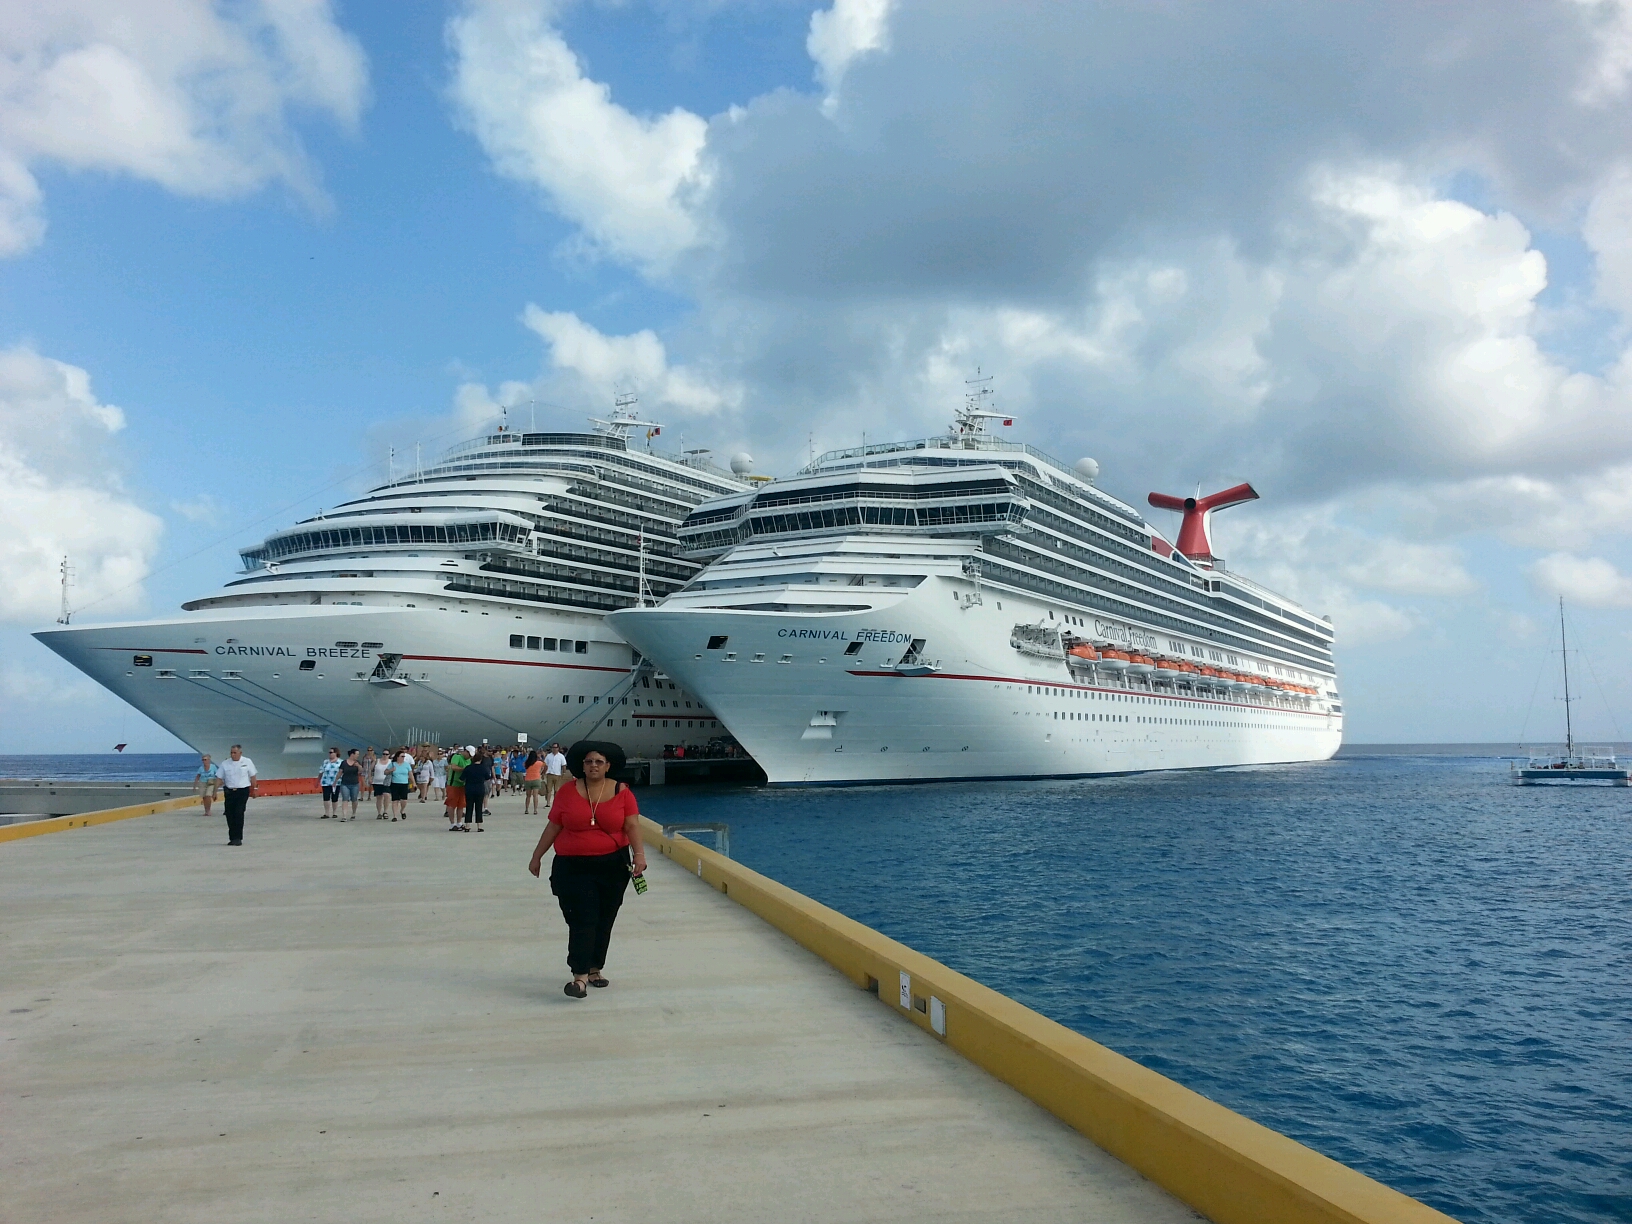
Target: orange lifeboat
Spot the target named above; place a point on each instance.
(1114, 659)
(1141, 664)
(1083, 651)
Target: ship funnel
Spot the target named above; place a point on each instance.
(1195, 534)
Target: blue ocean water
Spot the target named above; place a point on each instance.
(1404, 962)
(102, 767)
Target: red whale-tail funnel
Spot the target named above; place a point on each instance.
(1195, 541)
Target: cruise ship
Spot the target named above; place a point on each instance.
(464, 603)
(963, 607)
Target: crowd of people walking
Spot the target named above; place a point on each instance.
(461, 780)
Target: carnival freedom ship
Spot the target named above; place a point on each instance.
(966, 607)
(458, 604)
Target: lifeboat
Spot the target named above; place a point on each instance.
(1113, 659)
(1083, 651)
(1168, 669)
(1140, 665)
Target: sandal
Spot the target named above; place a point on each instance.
(574, 990)
(595, 979)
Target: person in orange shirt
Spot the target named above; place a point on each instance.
(532, 784)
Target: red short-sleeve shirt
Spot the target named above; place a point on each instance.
(584, 831)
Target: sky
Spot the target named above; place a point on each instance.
(1375, 258)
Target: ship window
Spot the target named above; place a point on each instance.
(308, 665)
(565, 698)
(718, 641)
(580, 647)
(372, 645)
(141, 660)
(532, 643)
(516, 641)
(853, 649)
(546, 643)
(566, 644)
(345, 645)
(580, 699)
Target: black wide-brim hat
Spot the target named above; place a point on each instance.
(615, 756)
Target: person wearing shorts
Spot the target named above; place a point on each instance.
(532, 785)
(455, 799)
(207, 781)
(402, 781)
(328, 777)
(367, 784)
(422, 776)
(439, 773)
(382, 786)
(351, 773)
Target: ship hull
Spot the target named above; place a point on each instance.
(811, 714)
(218, 679)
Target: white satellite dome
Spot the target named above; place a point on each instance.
(1087, 468)
(742, 463)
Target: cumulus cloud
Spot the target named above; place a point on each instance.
(603, 365)
(196, 97)
(627, 180)
(1200, 243)
(1587, 580)
(59, 493)
(842, 34)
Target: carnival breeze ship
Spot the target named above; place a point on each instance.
(459, 604)
(965, 607)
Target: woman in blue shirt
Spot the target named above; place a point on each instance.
(329, 779)
(207, 781)
(402, 781)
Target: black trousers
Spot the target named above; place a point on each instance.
(474, 801)
(236, 801)
(590, 889)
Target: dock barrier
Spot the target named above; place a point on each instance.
(1226, 1166)
(56, 824)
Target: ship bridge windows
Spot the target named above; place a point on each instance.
(296, 543)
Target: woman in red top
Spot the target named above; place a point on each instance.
(594, 825)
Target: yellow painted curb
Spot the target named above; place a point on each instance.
(1226, 1166)
(56, 824)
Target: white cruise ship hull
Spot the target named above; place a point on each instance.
(812, 715)
(216, 678)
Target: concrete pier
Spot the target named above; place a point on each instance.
(41, 797)
(364, 1021)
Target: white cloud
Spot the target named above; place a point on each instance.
(842, 34)
(602, 365)
(59, 493)
(627, 181)
(1586, 580)
(196, 97)
(201, 509)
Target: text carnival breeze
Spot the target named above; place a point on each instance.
(312, 652)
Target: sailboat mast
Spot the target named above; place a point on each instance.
(1564, 651)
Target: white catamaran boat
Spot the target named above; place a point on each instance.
(458, 604)
(965, 607)
(1595, 766)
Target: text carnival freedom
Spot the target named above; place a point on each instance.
(886, 636)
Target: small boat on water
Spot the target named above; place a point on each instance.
(1573, 765)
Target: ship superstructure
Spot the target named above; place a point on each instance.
(966, 607)
(464, 602)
